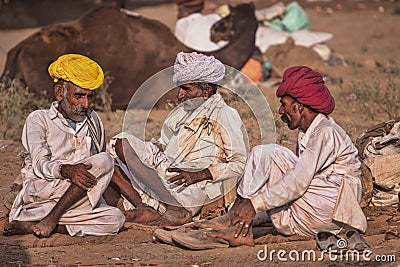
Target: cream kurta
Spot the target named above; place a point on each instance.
(49, 141)
(317, 191)
(211, 136)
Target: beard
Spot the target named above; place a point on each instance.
(77, 114)
(193, 103)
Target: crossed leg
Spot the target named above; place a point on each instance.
(142, 213)
(25, 228)
(48, 224)
(175, 214)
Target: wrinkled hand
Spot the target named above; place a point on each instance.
(78, 174)
(157, 144)
(243, 215)
(186, 178)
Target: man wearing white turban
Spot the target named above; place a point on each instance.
(66, 167)
(200, 155)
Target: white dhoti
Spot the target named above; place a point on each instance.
(307, 215)
(194, 138)
(89, 216)
(192, 197)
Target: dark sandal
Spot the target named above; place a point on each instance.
(329, 241)
(355, 241)
(165, 235)
(198, 240)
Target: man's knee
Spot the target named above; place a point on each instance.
(102, 161)
(264, 150)
(118, 218)
(119, 150)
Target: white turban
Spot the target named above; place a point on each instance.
(194, 67)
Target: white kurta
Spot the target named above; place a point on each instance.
(49, 141)
(211, 136)
(317, 191)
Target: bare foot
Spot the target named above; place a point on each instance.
(222, 222)
(229, 235)
(174, 216)
(18, 228)
(218, 223)
(141, 215)
(44, 228)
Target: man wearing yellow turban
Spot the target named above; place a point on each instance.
(78, 69)
(67, 169)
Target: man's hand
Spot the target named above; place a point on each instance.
(78, 174)
(157, 144)
(187, 178)
(243, 215)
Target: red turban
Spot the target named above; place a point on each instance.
(307, 87)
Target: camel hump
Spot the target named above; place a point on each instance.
(104, 16)
(129, 48)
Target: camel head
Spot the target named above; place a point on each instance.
(226, 28)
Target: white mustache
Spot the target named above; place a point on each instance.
(192, 103)
(80, 110)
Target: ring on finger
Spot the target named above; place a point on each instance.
(246, 226)
(240, 222)
(183, 181)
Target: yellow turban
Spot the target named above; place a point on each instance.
(78, 69)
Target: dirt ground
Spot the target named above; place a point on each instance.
(365, 33)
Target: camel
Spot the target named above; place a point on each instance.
(129, 47)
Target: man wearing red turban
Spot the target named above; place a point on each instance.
(313, 193)
(308, 87)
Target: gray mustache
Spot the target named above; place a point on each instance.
(80, 110)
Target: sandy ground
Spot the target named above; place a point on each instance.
(367, 37)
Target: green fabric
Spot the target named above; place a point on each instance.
(276, 24)
(295, 18)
